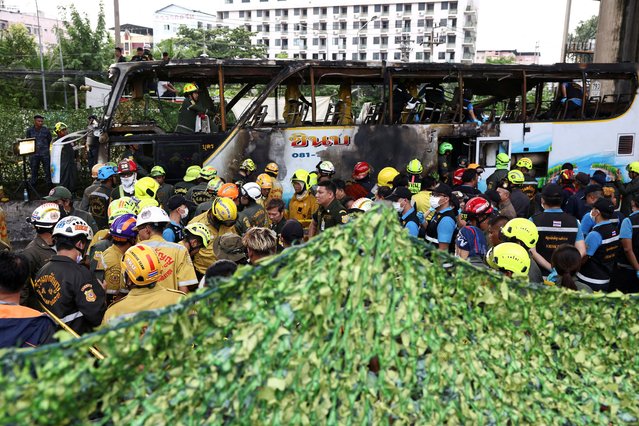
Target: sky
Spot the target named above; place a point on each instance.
(503, 24)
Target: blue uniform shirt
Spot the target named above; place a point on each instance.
(626, 227)
(446, 228)
(593, 240)
(473, 240)
(168, 233)
(412, 227)
(587, 223)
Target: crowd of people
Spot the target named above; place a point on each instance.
(137, 242)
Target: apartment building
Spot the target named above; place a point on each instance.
(417, 31)
(511, 56)
(167, 20)
(10, 15)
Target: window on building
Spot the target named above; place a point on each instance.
(209, 26)
(316, 10)
(399, 7)
(285, 12)
(398, 24)
(419, 56)
(354, 56)
(247, 27)
(200, 24)
(316, 42)
(278, 27)
(355, 9)
(296, 11)
(355, 40)
(384, 41)
(364, 9)
(167, 27)
(443, 22)
(258, 28)
(383, 56)
(375, 56)
(451, 39)
(285, 43)
(336, 9)
(278, 42)
(451, 56)
(336, 25)
(246, 1)
(316, 26)
(322, 26)
(441, 55)
(315, 56)
(378, 8)
(407, 8)
(362, 56)
(304, 12)
(420, 23)
(284, 28)
(267, 13)
(398, 39)
(342, 25)
(376, 24)
(421, 6)
(453, 23)
(375, 40)
(420, 39)
(278, 12)
(385, 25)
(430, 7)
(397, 56)
(407, 25)
(266, 28)
(259, 13)
(241, 14)
(322, 42)
(324, 10)
(429, 23)
(363, 41)
(427, 56)
(444, 5)
(343, 10)
(356, 25)
(228, 1)
(453, 5)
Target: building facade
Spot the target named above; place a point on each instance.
(417, 31)
(11, 15)
(134, 36)
(510, 56)
(167, 20)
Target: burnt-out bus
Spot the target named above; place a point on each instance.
(298, 113)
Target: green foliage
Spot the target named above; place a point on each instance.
(85, 48)
(506, 60)
(586, 30)
(355, 327)
(18, 48)
(221, 43)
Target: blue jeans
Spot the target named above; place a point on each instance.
(36, 160)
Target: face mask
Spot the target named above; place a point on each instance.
(397, 206)
(592, 216)
(128, 182)
(185, 213)
(434, 202)
(79, 258)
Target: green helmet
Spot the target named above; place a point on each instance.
(445, 147)
(502, 160)
(516, 177)
(415, 167)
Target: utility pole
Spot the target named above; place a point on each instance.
(116, 19)
(404, 48)
(432, 43)
(566, 29)
(44, 86)
(62, 66)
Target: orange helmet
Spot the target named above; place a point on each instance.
(229, 190)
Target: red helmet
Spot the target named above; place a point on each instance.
(567, 175)
(127, 166)
(457, 176)
(361, 170)
(477, 206)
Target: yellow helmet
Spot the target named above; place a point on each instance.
(509, 257)
(313, 179)
(124, 205)
(199, 230)
(414, 167)
(272, 168)
(59, 126)
(189, 88)
(148, 202)
(633, 167)
(208, 172)
(248, 165)
(516, 177)
(264, 181)
(386, 175)
(525, 162)
(192, 173)
(214, 185)
(224, 209)
(141, 265)
(300, 175)
(522, 230)
(157, 171)
(146, 187)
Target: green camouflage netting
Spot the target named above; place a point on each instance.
(355, 327)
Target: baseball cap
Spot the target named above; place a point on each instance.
(157, 171)
(582, 178)
(176, 201)
(604, 205)
(592, 188)
(599, 177)
(444, 189)
(59, 193)
(400, 192)
(229, 247)
(552, 190)
(292, 231)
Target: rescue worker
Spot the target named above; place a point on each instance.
(260, 243)
(100, 198)
(444, 166)
(145, 190)
(266, 184)
(628, 190)
(505, 206)
(64, 198)
(293, 102)
(191, 175)
(272, 169)
(302, 204)
(192, 111)
(313, 179)
(276, 211)
(626, 276)
(231, 191)
(592, 194)
(40, 249)
(134, 153)
(325, 170)
(20, 326)
(142, 275)
(177, 271)
(471, 243)
(101, 239)
(123, 236)
(245, 172)
(359, 207)
(196, 237)
(127, 172)
(64, 286)
(213, 188)
(602, 248)
(68, 167)
(343, 110)
(468, 186)
(199, 193)
(362, 185)
(385, 178)
(441, 230)
(219, 220)
(178, 212)
(42, 136)
(414, 170)
(230, 247)
(501, 171)
(510, 259)
(525, 165)
(292, 234)
(252, 212)
(555, 228)
(84, 204)
(401, 199)
(165, 191)
(330, 211)
(518, 198)
(525, 233)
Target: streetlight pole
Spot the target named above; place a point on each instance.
(362, 28)
(62, 67)
(44, 86)
(566, 28)
(116, 19)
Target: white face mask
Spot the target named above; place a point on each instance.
(185, 213)
(434, 202)
(592, 216)
(397, 206)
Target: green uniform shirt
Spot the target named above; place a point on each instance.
(334, 214)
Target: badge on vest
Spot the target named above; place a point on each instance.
(556, 224)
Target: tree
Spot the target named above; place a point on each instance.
(18, 49)
(222, 43)
(84, 48)
(504, 60)
(586, 30)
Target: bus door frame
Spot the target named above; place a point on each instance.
(482, 141)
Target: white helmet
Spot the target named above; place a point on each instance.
(72, 226)
(45, 216)
(152, 214)
(363, 204)
(252, 190)
(326, 168)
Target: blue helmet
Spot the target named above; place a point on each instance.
(123, 228)
(106, 172)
